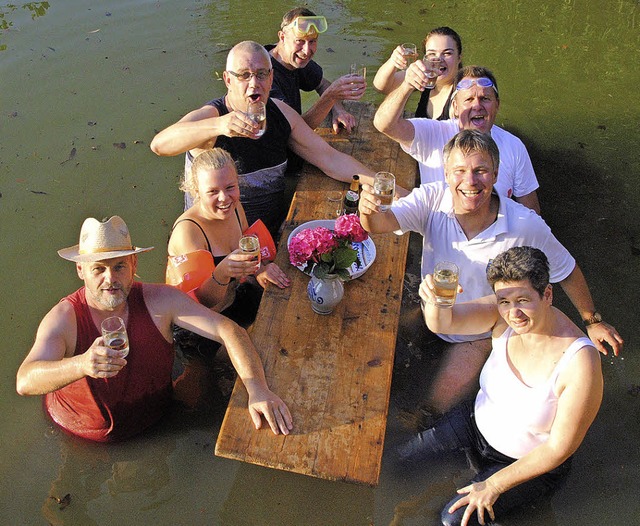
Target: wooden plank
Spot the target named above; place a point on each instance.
(334, 372)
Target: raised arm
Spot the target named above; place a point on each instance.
(575, 286)
(176, 307)
(199, 129)
(51, 364)
(391, 74)
(389, 119)
(313, 149)
(475, 317)
(580, 388)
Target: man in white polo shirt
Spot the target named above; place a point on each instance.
(475, 105)
(465, 221)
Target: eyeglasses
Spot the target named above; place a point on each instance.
(261, 74)
(309, 24)
(482, 82)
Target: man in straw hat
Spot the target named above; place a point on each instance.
(94, 392)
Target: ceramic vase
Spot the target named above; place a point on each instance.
(325, 294)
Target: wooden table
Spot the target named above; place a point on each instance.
(333, 372)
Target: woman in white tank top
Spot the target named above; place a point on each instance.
(540, 390)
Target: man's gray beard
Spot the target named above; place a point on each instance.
(110, 302)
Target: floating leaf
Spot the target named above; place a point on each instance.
(120, 145)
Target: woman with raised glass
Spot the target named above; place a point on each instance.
(204, 254)
(442, 44)
(540, 390)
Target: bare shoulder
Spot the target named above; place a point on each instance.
(205, 112)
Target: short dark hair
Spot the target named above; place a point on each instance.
(520, 264)
(294, 13)
(469, 141)
(445, 32)
(476, 72)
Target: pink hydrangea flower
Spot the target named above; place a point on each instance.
(348, 227)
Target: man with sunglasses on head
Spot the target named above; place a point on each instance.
(261, 159)
(475, 104)
(294, 70)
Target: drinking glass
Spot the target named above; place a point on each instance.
(445, 281)
(114, 334)
(250, 244)
(257, 112)
(335, 199)
(433, 70)
(410, 52)
(358, 70)
(384, 188)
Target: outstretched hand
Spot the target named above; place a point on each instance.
(272, 273)
(480, 497)
(601, 333)
(263, 402)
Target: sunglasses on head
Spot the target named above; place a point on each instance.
(309, 24)
(483, 82)
(261, 74)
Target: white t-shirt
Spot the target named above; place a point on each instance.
(516, 177)
(428, 210)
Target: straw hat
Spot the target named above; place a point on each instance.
(100, 241)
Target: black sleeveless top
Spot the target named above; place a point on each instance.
(216, 259)
(421, 110)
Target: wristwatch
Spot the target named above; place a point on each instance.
(594, 318)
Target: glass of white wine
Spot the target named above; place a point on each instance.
(114, 335)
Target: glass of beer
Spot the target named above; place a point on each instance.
(433, 70)
(250, 245)
(257, 112)
(384, 188)
(114, 334)
(410, 52)
(445, 281)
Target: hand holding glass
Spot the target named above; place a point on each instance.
(384, 188)
(257, 112)
(250, 245)
(445, 282)
(114, 334)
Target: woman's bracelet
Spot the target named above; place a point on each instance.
(213, 277)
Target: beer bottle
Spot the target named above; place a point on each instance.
(352, 197)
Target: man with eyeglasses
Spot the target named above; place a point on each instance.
(294, 70)
(475, 103)
(261, 159)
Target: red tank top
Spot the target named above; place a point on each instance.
(106, 409)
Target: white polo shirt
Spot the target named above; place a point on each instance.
(428, 210)
(516, 177)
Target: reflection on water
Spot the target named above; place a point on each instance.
(84, 90)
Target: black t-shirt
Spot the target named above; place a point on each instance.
(287, 83)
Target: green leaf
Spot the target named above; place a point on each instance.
(343, 274)
(345, 257)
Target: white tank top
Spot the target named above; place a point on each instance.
(513, 417)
